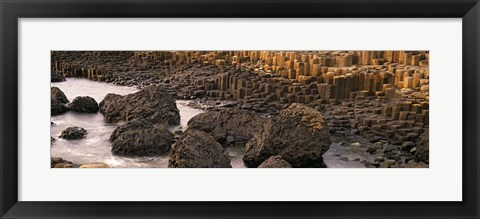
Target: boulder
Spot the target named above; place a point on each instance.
(228, 125)
(111, 107)
(197, 149)
(275, 162)
(151, 103)
(57, 108)
(57, 95)
(73, 133)
(141, 138)
(57, 77)
(57, 162)
(84, 104)
(94, 165)
(299, 134)
(129, 126)
(422, 154)
(63, 165)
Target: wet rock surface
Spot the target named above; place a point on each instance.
(380, 96)
(57, 108)
(152, 104)
(57, 77)
(228, 126)
(71, 133)
(131, 125)
(57, 101)
(299, 134)
(57, 162)
(58, 96)
(112, 108)
(84, 104)
(275, 162)
(141, 138)
(197, 149)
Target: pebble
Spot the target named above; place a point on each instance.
(230, 139)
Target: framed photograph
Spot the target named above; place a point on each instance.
(256, 109)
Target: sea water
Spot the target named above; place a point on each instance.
(96, 147)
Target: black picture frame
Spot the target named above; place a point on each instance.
(12, 10)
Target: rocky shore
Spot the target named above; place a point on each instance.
(282, 107)
(57, 162)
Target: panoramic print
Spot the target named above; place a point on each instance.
(239, 109)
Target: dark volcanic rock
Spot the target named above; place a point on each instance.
(131, 125)
(57, 162)
(57, 95)
(151, 103)
(275, 162)
(142, 138)
(57, 101)
(57, 108)
(228, 125)
(84, 105)
(298, 133)
(73, 133)
(407, 146)
(57, 77)
(197, 149)
(422, 154)
(111, 107)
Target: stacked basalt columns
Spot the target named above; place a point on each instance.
(269, 78)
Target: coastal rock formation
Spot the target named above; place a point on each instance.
(422, 154)
(275, 162)
(57, 77)
(64, 165)
(57, 101)
(57, 162)
(73, 133)
(84, 105)
(299, 134)
(141, 138)
(94, 165)
(228, 125)
(151, 103)
(111, 107)
(57, 95)
(131, 125)
(57, 108)
(381, 96)
(197, 149)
